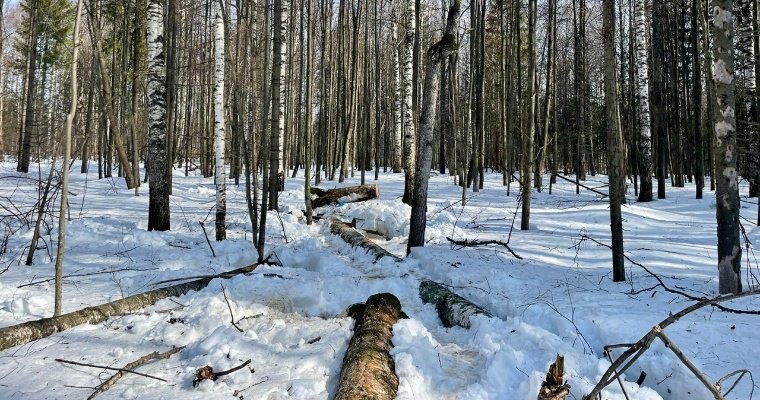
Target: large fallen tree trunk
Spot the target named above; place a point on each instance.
(351, 194)
(453, 309)
(356, 239)
(368, 370)
(26, 332)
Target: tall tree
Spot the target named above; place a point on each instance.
(277, 129)
(726, 153)
(220, 168)
(2, 76)
(658, 105)
(699, 167)
(615, 151)
(642, 101)
(158, 205)
(407, 103)
(33, 10)
(308, 153)
(530, 115)
(436, 54)
(66, 159)
(397, 100)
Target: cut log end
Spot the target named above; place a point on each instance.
(323, 197)
(554, 387)
(368, 370)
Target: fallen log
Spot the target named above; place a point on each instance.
(554, 386)
(351, 194)
(368, 370)
(26, 332)
(356, 239)
(453, 309)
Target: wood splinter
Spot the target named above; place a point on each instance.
(207, 373)
(554, 386)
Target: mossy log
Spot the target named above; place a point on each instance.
(351, 194)
(353, 237)
(26, 332)
(554, 387)
(453, 310)
(368, 370)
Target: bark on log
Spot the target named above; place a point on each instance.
(352, 194)
(368, 370)
(554, 387)
(453, 310)
(26, 332)
(353, 237)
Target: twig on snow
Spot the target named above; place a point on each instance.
(207, 240)
(110, 368)
(132, 365)
(475, 243)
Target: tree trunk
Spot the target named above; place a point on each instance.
(699, 158)
(407, 104)
(527, 144)
(435, 55)
(659, 114)
(368, 370)
(31, 92)
(158, 207)
(279, 51)
(615, 150)
(351, 194)
(642, 101)
(66, 160)
(726, 185)
(220, 168)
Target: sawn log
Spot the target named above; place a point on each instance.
(453, 310)
(351, 194)
(368, 370)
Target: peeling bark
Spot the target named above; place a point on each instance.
(368, 370)
(352, 194)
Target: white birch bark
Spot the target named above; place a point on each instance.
(220, 171)
(642, 97)
(397, 145)
(277, 138)
(158, 208)
(408, 110)
(726, 185)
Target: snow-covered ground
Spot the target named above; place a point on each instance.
(559, 298)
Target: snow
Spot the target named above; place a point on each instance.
(558, 299)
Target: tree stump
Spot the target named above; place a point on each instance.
(368, 370)
(453, 310)
(554, 387)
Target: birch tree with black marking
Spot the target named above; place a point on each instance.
(158, 206)
(642, 101)
(726, 153)
(407, 104)
(220, 171)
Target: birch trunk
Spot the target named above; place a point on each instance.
(642, 103)
(397, 145)
(2, 77)
(220, 171)
(408, 110)
(726, 185)
(158, 208)
(66, 159)
(279, 51)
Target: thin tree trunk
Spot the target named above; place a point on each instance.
(642, 101)
(66, 160)
(527, 147)
(699, 158)
(158, 206)
(407, 103)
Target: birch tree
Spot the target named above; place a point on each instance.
(66, 159)
(407, 103)
(279, 52)
(158, 207)
(397, 144)
(727, 184)
(642, 101)
(436, 54)
(2, 76)
(220, 171)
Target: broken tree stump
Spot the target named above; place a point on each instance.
(26, 332)
(453, 309)
(351, 194)
(554, 386)
(368, 370)
(353, 237)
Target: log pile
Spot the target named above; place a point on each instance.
(368, 370)
(453, 309)
(352, 194)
